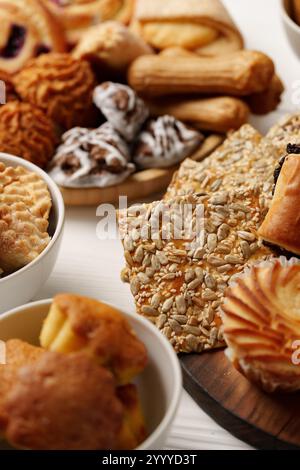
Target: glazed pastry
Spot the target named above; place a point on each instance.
(18, 354)
(27, 30)
(134, 429)
(239, 74)
(281, 227)
(111, 45)
(164, 142)
(261, 323)
(122, 108)
(77, 323)
(20, 185)
(98, 158)
(179, 272)
(10, 92)
(63, 402)
(61, 86)
(204, 26)
(25, 131)
(220, 114)
(268, 100)
(285, 132)
(77, 16)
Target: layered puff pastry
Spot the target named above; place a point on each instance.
(205, 27)
(261, 324)
(77, 323)
(281, 226)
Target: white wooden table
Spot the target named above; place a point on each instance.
(92, 267)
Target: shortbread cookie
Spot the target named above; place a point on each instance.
(97, 158)
(25, 131)
(27, 30)
(164, 142)
(61, 86)
(179, 270)
(122, 107)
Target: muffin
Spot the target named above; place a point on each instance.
(61, 86)
(77, 323)
(26, 131)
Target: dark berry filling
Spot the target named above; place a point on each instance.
(15, 42)
(42, 49)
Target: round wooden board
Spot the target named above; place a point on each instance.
(262, 420)
(139, 186)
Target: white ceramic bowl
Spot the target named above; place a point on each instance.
(291, 28)
(21, 286)
(160, 385)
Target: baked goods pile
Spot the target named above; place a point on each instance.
(25, 205)
(238, 226)
(74, 392)
(185, 60)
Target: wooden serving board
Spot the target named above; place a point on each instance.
(262, 420)
(139, 186)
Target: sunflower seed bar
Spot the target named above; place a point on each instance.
(287, 131)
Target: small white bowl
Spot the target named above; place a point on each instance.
(160, 385)
(21, 286)
(291, 28)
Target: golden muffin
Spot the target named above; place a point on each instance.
(77, 323)
(63, 402)
(61, 86)
(134, 428)
(18, 354)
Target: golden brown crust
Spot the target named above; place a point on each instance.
(42, 32)
(282, 224)
(61, 86)
(100, 330)
(261, 323)
(25, 131)
(134, 429)
(10, 92)
(296, 10)
(63, 402)
(268, 100)
(238, 74)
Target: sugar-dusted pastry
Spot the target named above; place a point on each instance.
(61, 86)
(27, 132)
(269, 99)
(27, 30)
(9, 90)
(134, 428)
(122, 108)
(77, 16)
(281, 226)
(244, 160)
(111, 45)
(63, 402)
(238, 74)
(285, 132)
(181, 261)
(97, 158)
(77, 323)
(261, 323)
(220, 114)
(164, 142)
(17, 355)
(20, 185)
(204, 26)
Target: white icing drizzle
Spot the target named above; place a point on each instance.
(78, 142)
(169, 141)
(128, 122)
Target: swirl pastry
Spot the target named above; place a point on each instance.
(98, 158)
(203, 26)
(25, 131)
(282, 224)
(61, 86)
(27, 30)
(165, 142)
(77, 323)
(79, 15)
(261, 323)
(112, 46)
(122, 107)
(63, 402)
